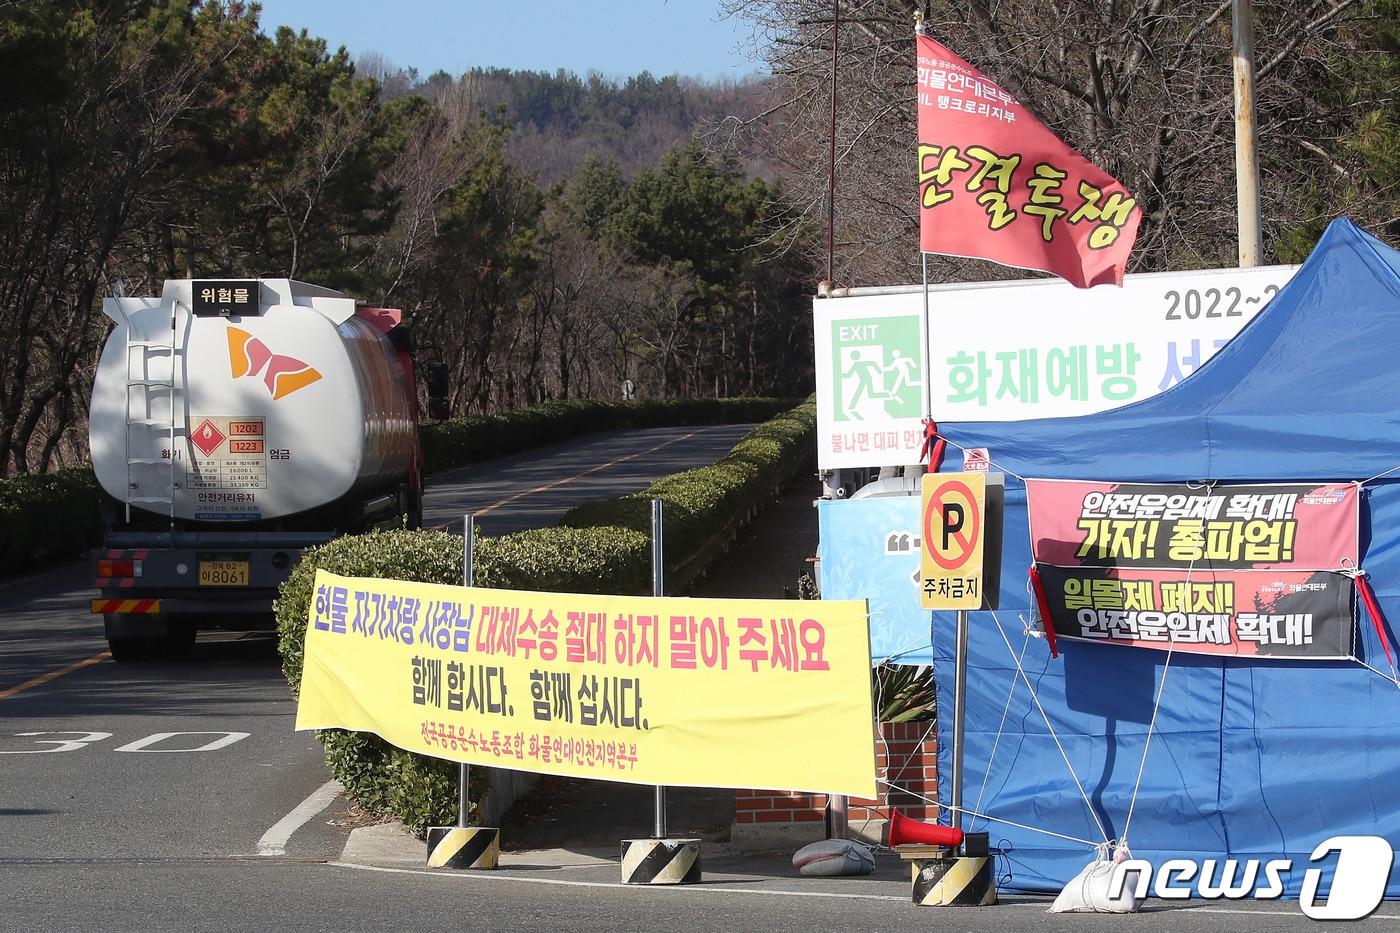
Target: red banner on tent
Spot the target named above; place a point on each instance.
(1237, 570)
(995, 183)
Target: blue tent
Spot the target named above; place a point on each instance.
(1249, 759)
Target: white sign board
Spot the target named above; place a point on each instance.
(1009, 351)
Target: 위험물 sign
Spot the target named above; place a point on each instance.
(691, 692)
(1236, 569)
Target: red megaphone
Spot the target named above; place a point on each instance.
(903, 830)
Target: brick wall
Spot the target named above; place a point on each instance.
(900, 757)
(903, 760)
(765, 806)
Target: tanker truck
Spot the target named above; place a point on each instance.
(235, 423)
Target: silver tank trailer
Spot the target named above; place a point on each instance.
(246, 402)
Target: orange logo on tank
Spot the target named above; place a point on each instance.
(247, 356)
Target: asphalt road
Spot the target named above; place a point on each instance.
(142, 805)
(533, 489)
(130, 786)
(291, 896)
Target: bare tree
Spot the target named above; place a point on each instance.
(1143, 88)
(434, 160)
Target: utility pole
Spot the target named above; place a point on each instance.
(1246, 137)
(831, 164)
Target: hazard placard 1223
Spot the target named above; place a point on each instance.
(955, 532)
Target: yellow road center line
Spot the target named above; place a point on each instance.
(52, 675)
(569, 479)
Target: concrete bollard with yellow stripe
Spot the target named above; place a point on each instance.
(464, 847)
(955, 881)
(660, 861)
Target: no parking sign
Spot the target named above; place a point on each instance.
(961, 541)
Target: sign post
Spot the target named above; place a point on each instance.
(658, 589)
(660, 860)
(464, 799)
(960, 569)
(464, 845)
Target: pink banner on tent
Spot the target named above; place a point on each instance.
(1252, 569)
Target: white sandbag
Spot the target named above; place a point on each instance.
(1090, 891)
(833, 857)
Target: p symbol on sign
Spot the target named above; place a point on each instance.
(953, 518)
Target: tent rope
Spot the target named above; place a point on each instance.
(1001, 728)
(879, 704)
(1156, 708)
(1382, 674)
(1207, 483)
(1368, 600)
(1045, 716)
(994, 819)
(1000, 466)
(1380, 474)
(1147, 740)
(1208, 486)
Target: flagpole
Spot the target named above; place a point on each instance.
(960, 644)
(919, 30)
(927, 337)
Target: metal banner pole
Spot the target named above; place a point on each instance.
(658, 589)
(959, 714)
(660, 860)
(927, 349)
(464, 846)
(464, 769)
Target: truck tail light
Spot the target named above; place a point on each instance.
(119, 568)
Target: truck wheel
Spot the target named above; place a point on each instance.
(176, 643)
(125, 650)
(128, 637)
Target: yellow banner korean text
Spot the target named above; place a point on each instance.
(690, 692)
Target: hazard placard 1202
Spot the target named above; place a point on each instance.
(961, 541)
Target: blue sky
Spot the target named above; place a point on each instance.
(617, 38)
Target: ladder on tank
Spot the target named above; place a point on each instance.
(140, 379)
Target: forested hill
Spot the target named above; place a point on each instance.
(549, 237)
(558, 120)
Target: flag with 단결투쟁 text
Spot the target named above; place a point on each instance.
(995, 183)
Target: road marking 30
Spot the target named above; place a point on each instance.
(140, 745)
(213, 745)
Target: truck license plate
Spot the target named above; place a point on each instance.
(223, 573)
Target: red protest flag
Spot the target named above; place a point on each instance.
(995, 183)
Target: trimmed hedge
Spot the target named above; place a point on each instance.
(611, 555)
(47, 516)
(701, 502)
(454, 443)
(51, 516)
(418, 790)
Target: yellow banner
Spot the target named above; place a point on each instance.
(760, 693)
